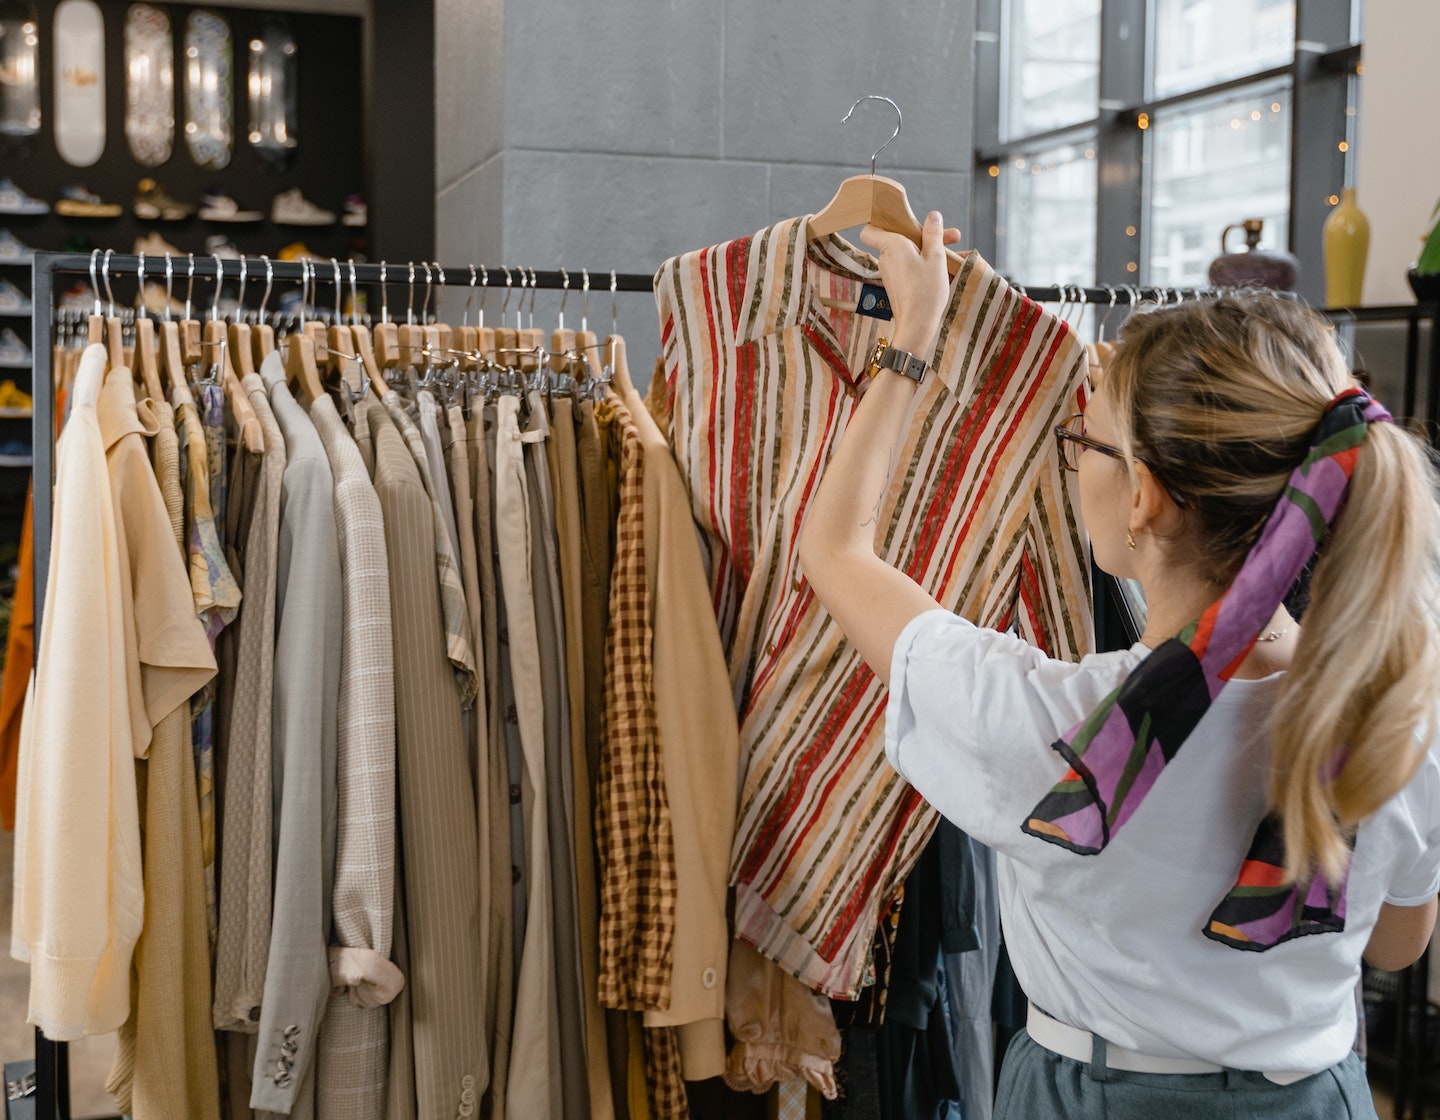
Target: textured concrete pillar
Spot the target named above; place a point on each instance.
(577, 133)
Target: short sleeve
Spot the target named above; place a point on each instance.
(972, 713)
(1417, 880)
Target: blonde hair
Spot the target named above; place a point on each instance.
(1220, 399)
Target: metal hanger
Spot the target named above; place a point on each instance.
(146, 355)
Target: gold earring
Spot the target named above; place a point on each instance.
(1130, 541)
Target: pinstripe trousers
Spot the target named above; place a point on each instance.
(535, 1042)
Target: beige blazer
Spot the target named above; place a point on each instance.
(304, 718)
(354, 1038)
(439, 1056)
(243, 946)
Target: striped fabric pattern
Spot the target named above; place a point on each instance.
(762, 378)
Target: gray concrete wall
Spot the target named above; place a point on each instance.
(582, 133)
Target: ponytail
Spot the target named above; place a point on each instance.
(1366, 673)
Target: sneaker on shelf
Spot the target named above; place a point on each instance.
(13, 250)
(15, 201)
(16, 453)
(77, 202)
(218, 245)
(153, 245)
(154, 205)
(217, 206)
(356, 212)
(12, 300)
(297, 251)
(14, 354)
(291, 208)
(13, 397)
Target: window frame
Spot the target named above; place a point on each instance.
(1324, 61)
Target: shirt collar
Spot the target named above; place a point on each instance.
(119, 412)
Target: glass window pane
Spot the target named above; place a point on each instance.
(1046, 231)
(1052, 65)
(1213, 164)
(1201, 43)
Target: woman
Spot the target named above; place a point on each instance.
(1186, 922)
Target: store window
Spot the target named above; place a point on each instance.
(1116, 139)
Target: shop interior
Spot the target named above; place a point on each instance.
(530, 167)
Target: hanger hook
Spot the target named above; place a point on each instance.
(565, 296)
(336, 266)
(219, 278)
(95, 280)
(410, 299)
(240, 299)
(504, 307)
(354, 299)
(425, 307)
(614, 306)
(469, 299)
(439, 284)
(384, 296)
(534, 287)
(189, 282)
(105, 276)
(304, 291)
(169, 284)
(899, 122)
(269, 281)
(484, 290)
(141, 309)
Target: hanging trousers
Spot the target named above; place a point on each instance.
(535, 1041)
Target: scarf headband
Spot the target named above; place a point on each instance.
(1117, 753)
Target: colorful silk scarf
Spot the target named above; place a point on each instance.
(1118, 752)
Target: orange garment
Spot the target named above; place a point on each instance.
(19, 661)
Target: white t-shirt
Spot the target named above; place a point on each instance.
(1112, 943)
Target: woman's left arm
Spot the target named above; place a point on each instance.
(871, 600)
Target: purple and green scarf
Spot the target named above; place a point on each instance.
(1117, 753)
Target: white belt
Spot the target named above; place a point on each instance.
(1071, 1042)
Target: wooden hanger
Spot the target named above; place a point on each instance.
(147, 357)
(619, 366)
(301, 370)
(240, 352)
(264, 334)
(366, 353)
(217, 344)
(172, 362)
(562, 344)
(873, 200)
(588, 343)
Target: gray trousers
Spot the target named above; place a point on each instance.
(1038, 1084)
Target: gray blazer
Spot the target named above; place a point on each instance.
(304, 714)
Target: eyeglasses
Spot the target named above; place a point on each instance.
(1071, 441)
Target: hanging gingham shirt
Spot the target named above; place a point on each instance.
(762, 379)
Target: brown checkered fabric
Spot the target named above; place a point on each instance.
(664, 1084)
(633, 837)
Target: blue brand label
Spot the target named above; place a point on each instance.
(873, 302)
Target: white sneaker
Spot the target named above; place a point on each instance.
(291, 208)
(12, 300)
(153, 245)
(218, 245)
(15, 201)
(217, 206)
(13, 250)
(14, 354)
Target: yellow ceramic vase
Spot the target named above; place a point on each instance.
(1347, 241)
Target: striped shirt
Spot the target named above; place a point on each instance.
(763, 378)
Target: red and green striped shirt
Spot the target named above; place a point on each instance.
(762, 372)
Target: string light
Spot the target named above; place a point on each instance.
(1143, 121)
(1333, 200)
(994, 171)
(1344, 147)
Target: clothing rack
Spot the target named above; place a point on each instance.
(52, 1080)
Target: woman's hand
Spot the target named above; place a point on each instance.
(915, 280)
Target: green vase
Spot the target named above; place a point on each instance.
(1347, 242)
